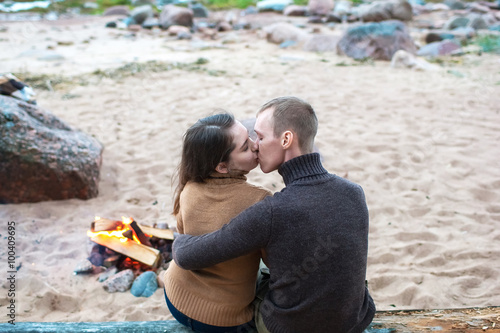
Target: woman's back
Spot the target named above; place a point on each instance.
(219, 295)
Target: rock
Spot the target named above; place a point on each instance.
(315, 19)
(476, 22)
(403, 59)
(495, 27)
(231, 38)
(454, 4)
(273, 5)
(436, 49)
(141, 13)
(111, 25)
(117, 10)
(456, 22)
(134, 28)
(295, 10)
(175, 30)
(279, 32)
(83, 267)
(376, 40)
(42, 158)
(342, 8)
(223, 26)
(96, 259)
(320, 7)
(321, 43)
(402, 10)
(120, 282)
(173, 15)
(333, 18)
(198, 9)
(3, 28)
(150, 23)
(490, 19)
(385, 10)
(433, 37)
(462, 34)
(107, 274)
(145, 285)
(477, 8)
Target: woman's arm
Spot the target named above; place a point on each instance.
(246, 233)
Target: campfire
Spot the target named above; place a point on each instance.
(125, 245)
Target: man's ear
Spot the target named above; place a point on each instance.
(287, 139)
(222, 168)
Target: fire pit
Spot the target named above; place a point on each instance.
(125, 245)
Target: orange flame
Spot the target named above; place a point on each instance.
(118, 233)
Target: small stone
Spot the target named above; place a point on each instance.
(224, 26)
(134, 28)
(119, 282)
(96, 259)
(107, 274)
(65, 43)
(83, 267)
(145, 285)
(111, 24)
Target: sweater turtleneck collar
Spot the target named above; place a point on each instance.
(226, 178)
(303, 167)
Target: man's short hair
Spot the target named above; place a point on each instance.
(292, 113)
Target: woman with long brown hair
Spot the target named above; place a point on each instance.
(217, 153)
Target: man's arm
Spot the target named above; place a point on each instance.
(247, 232)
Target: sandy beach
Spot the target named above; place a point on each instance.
(424, 145)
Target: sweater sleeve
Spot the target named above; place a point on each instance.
(246, 233)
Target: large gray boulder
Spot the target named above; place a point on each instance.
(173, 15)
(41, 158)
(378, 41)
(385, 10)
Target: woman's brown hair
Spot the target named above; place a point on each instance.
(206, 144)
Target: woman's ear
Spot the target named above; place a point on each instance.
(222, 168)
(287, 139)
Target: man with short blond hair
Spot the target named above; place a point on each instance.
(314, 232)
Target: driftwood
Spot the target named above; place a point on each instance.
(143, 253)
(170, 326)
(469, 320)
(106, 225)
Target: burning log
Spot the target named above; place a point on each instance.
(159, 233)
(101, 224)
(143, 239)
(132, 249)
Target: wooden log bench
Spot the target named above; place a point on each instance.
(468, 320)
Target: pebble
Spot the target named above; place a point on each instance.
(145, 285)
(119, 282)
(107, 274)
(84, 267)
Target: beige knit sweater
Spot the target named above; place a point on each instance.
(219, 295)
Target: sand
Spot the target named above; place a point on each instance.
(425, 147)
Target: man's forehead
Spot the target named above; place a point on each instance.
(264, 119)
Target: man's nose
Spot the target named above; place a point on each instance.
(255, 145)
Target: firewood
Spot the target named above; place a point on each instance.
(132, 249)
(139, 233)
(106, 225)
(160, 233)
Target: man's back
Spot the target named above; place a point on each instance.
(317, 255)
(315, 235)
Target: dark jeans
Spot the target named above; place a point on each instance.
(205, 328)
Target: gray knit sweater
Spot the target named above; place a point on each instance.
(315, 235)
